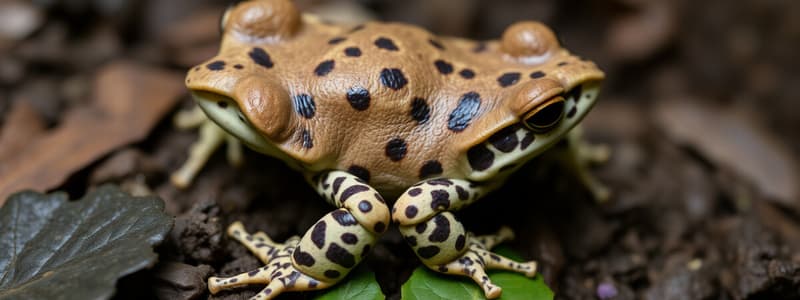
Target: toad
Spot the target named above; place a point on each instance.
(389, 111)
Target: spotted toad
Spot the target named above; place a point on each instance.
(388, 111)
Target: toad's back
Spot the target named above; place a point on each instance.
(391, 103)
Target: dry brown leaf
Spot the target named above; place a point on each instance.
(129, 99)
(23, 125)
(734, 140)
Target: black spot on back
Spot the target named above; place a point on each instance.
(393, 78)
(467, 74)
(563, 63)
(340, 256)
(216, 66)
(396, 149)
(352, 52)
(359, 172)
(260, 57)
(414, 192)
(307, 140)
(358, 97)
(537, 74)
(443, 67)
(386, 44)
(436, 44)
(420, 111)
(508, 79)
(430, 168)
(442, 230)
(304, 105)
(324, 67)
(480, 158)
(462, 115)
(238, 66)
(505, 140)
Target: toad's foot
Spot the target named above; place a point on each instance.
(211, 137)
(471, 261)
(441, 242)
(327, 251)
(279, 274)
(478, 258)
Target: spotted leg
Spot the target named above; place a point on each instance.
(327, 251)
(278, 271)
(441, 242)
(211, 137)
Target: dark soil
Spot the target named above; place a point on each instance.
(712, 212)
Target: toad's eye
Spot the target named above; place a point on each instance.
(547, 116)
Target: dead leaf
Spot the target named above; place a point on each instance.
(733, 139)
(129, 99)
(23, 125)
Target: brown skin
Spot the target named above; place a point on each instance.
(343, 135)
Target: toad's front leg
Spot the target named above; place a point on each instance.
(440, 240)
(327, 252)
(211, 137)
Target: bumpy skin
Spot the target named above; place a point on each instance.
(394, 110)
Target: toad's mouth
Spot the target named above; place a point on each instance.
(226, 113)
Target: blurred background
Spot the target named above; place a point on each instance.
(700, 107)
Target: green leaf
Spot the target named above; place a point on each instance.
(56, 249)
(425, 284)
(360, 284)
